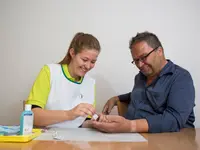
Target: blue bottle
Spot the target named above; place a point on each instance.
(26, 121)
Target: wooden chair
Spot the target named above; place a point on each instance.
(122, 107)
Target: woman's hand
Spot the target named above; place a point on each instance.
(83, 110)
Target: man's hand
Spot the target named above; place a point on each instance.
(109, 105)
(87, 124)
(113, 124)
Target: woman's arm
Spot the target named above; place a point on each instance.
(47, 117)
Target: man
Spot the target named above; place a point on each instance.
(162, 98)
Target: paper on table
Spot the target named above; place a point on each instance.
(85, 134)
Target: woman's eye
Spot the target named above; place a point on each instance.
(84, 60)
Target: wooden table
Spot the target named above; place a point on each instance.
(187, 139)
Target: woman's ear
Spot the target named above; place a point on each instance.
(72, 52)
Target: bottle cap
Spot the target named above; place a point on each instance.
(28, 107)
(95, 117)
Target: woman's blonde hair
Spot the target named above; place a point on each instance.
(79, 42)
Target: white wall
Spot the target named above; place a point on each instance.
(33, 33)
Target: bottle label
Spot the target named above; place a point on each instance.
(28, 124)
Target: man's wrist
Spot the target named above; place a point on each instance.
(139, 125)
(132, 126)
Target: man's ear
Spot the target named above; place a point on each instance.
(160, 51)
(72, 52)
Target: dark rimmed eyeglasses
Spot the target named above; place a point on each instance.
(143, 58)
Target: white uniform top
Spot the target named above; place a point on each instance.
(65, 94)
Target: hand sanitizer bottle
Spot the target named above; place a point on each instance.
(26, 121)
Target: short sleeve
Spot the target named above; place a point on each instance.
(40, 89)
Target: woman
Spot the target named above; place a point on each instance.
(63, 95)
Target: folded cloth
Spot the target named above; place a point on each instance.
(9, 130)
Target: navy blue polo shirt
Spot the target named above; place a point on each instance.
(167, 103)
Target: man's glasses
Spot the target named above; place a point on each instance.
(143, 58)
